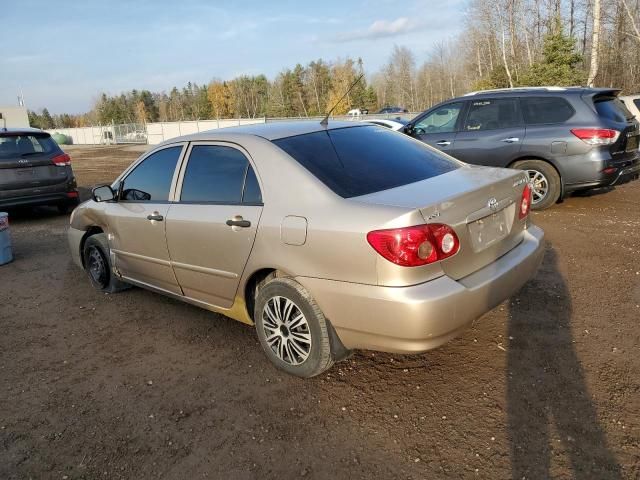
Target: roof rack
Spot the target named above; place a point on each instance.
(517, 89)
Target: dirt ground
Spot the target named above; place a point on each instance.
(135, 385)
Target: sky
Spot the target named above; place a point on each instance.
(63, 54)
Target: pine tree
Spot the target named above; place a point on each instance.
(560, 62)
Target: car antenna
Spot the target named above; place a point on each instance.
(325, 120)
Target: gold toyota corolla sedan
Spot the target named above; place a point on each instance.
(326, 238)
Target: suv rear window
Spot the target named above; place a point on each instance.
(541, 110)
(24, 144)
(356, 161)
(612, 108)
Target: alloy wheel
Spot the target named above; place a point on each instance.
(539, 185)
(286, 330)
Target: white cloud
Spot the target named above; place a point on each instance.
(381, 29)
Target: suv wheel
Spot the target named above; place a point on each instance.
(544, 181)
(291, 328)
(98, 266)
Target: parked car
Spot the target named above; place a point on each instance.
(396, 124)
(566, 139)
(632, 102)
(393, 110)
(328, 239)
(34, 170)
(356, 112)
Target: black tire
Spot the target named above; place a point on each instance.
(98, 265)
(319, 357)
(550, 176)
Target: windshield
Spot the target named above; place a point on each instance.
(361, 160)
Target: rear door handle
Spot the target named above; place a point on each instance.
(238, 222)
(511, 140)
(156, 216)
(443, 143)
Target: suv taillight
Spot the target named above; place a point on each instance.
(525, 202)
(415, 246)
(63, 160)
(596, 136)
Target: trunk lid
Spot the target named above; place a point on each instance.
(481, 205)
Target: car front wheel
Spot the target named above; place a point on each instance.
(98, 266)
(292, 329)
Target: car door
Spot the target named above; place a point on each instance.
(439, 127)
(492, 133)
(212, 225)
(137, 219)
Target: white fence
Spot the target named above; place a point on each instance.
(161, 131)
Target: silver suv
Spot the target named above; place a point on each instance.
(566, 139)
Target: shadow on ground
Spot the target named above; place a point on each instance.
(551, 415)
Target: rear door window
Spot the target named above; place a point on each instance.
(151, 179)
(492, 114)
(545, 110)
(22, 145)
(360, 160)
(612, 108)
(219, 174)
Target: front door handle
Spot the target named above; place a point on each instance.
(443, 143)
(511, 140)
(238, 222)
(155, 216)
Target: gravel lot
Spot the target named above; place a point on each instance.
(135, 385)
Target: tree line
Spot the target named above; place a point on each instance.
(504, 43)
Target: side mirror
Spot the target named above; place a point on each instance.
(103, 193)
(408, 129)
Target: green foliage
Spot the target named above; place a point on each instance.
(497, 78)
(560, 62)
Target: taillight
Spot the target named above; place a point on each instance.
(596, 136)
(63, 160)
(415, 246)
(525, 202)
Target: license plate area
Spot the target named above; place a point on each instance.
(25, 172)
(632, 143)
(491, 229)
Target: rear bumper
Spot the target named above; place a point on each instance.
(59, 193)
(422, 317)
(626, 171)
(34, 200)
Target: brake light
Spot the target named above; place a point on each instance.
(415, 246)
(63, 160)
(596, 136)
(525, 202)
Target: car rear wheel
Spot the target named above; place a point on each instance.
(292, 329)
(544, 180)
(98, 266)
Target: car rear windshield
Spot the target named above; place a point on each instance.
(612, 108)
(360, 160)
(15, 144)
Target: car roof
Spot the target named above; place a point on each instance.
(536, 91)
(20, 130)
(268, 131)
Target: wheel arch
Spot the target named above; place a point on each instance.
(93, 230)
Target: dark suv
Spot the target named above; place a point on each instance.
(34, 170)
(567, 139)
